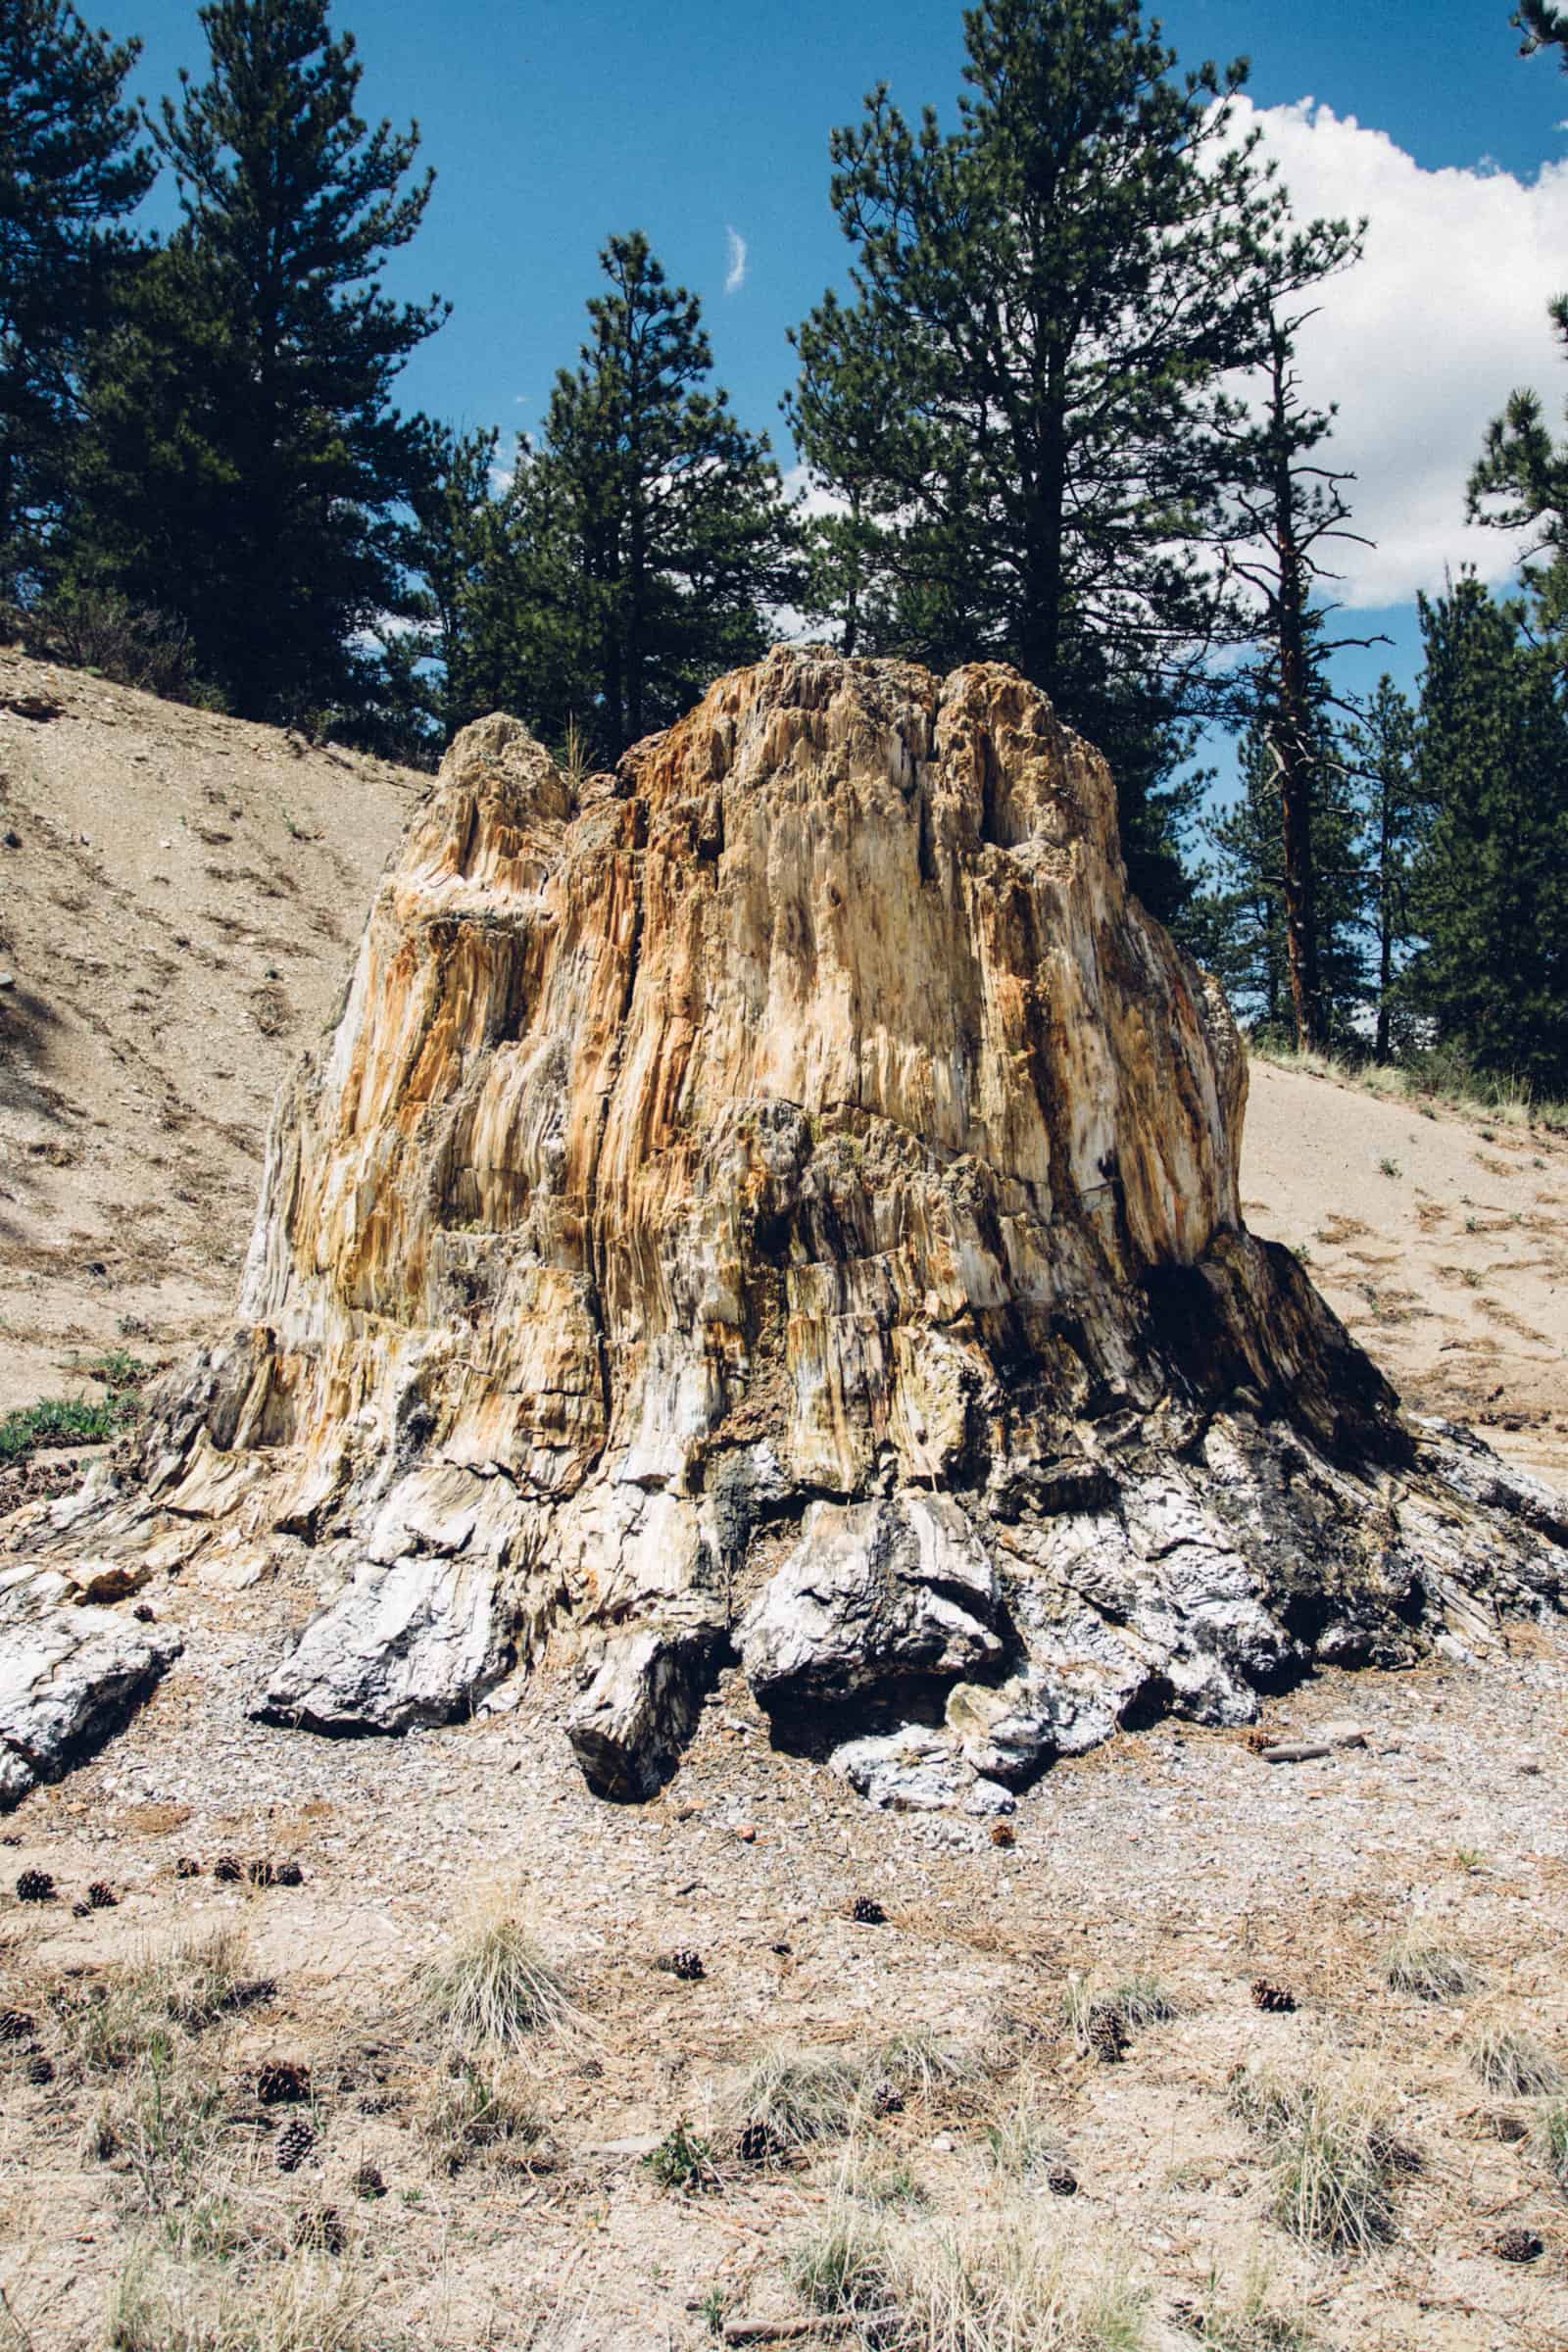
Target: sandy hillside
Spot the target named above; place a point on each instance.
(241, 2117)
(1441, 1240)
(180, 897)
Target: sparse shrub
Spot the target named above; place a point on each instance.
(682, 2161)
(100, 630)
(1510, 2059)
(1335, 2157)
(1389, 1168)
(497, 1990)
(1430, 1972)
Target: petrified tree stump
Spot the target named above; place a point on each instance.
(784, 1201)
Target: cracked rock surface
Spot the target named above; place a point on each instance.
(780, 1201)
(69, 1676)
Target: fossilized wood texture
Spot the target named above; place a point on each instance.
(69, 1675)
(784, 1200)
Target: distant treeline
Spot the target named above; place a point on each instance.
(1024, 419)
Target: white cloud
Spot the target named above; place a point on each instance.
(815, 498)
(736, 277)
(1421, 342)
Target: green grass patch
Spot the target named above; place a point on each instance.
(64, 1421)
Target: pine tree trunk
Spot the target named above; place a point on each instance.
(1291, 740)
(1380, 1043)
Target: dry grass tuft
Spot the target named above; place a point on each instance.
(1510, 2059)
(996, 2282)
(1553, 2133)
(127, 2017)
(1335, 2157)
(1247, 2319)
(304, 2303)
(1022, 2142)
(794, 2099)
(481, 2113)
(1096, 2017)
(1428, 1971)
(496, 1991)
(928, 2066)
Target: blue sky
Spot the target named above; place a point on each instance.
(550, 128)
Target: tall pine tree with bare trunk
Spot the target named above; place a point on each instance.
(1014, 405)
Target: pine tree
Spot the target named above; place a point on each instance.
(70, 172)
(1045, 302)
(1381, 751)
(1289, 507)
(1543, 26)
(643, 538)
(1490, 899)
(245, 466)
(1241, 921)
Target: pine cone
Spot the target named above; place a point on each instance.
(249, 1992)
(867, 1912)
(294, 2145)
(1002, 1832)
(281, 2081)
(1276, 1999)
(228, 1869)
(16, 2025)
(102, 1897)
(1108, 2036)
(1518, 2245)
(1062, 2180)
(321, 2231)
(42, 2070)
(757, 2143)
(367, 2182)
(35, 1887)
(687, 1965)
(187, 1868)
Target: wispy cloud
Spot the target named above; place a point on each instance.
(737, 262)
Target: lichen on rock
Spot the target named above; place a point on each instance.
(781, 1202)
